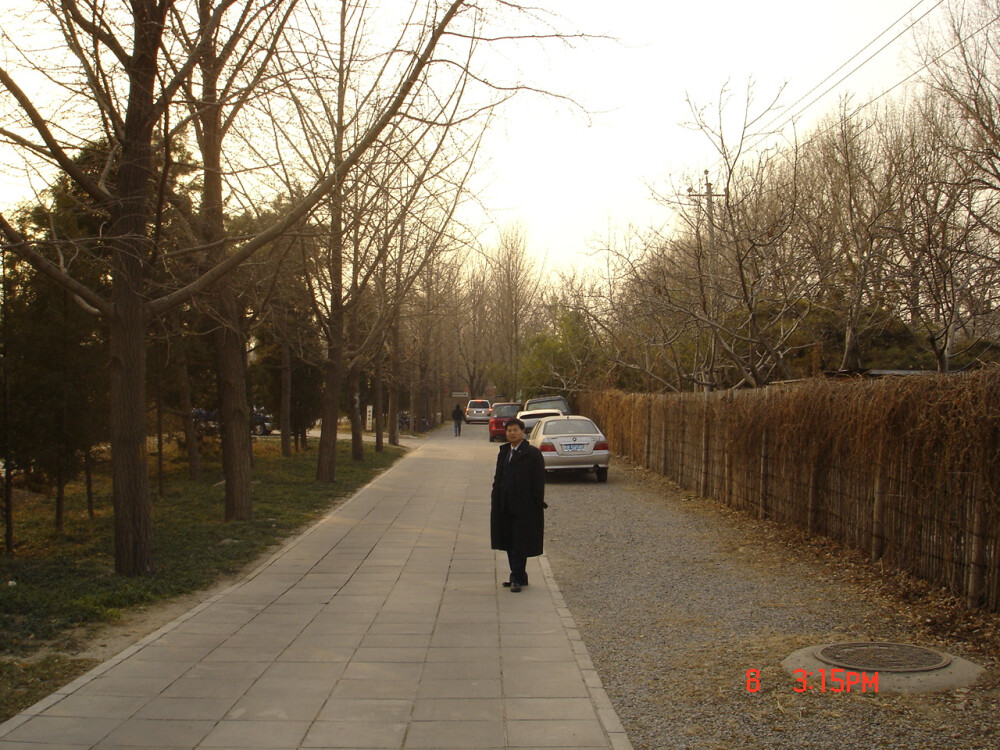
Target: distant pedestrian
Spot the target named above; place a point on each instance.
(458, 416)
(517, 503)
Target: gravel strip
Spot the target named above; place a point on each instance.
(677, 597)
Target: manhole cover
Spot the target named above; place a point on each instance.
(883, 657)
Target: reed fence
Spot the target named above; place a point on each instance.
(906, 470)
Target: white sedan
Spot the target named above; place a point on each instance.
(572, 443)
(531, 417)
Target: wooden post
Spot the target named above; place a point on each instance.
(762, 504)
(812, 519)
(649, 429)
(977, 560)
(681, 447)
(878, 516)
(705, 434)
(663, 445)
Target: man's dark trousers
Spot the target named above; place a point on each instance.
(515, 555)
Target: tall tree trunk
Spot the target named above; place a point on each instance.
(234, 414)
(159, 441)
(414, 407)
(8, 508)
(326, 469)
(8, 491)
(231, 347)
(129, 462)
(60, 499)
(187, 418)
(333, 376)
(379, 404)
(393, 410)
(357, 425)
(129, 231)
(851, 357)
(286, 400)
(88, 473)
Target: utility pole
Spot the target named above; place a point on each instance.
(711, 267)
(710, 210)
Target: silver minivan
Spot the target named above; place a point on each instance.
(478, 410)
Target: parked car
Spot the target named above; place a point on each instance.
(207, 422)
(530, 416)
(477, 410)
(500, 415)
(261, 423)
(572, 443)
(548, 402)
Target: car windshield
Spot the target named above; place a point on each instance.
(554, 403)
(570, 427)
(506, 410)
(479, 404)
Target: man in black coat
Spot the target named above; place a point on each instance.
(517, 510)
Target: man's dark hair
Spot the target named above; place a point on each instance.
(516, 421)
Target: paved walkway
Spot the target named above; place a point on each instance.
(382, 626)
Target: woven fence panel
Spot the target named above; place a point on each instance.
(905, 470)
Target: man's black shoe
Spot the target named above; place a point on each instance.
(515, 587)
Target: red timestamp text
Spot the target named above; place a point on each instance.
(834, 680)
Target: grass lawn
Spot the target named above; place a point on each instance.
(59, 584)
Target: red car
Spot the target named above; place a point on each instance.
(500, 415)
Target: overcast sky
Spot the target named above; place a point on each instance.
(567, 179)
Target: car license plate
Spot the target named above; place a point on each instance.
(576, 447)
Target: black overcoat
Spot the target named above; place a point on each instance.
(519, 488)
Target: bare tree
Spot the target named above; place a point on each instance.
(945, 278)
(857, 192)
(962, 60)
(513, 282)
(115, 74)
(730, 285)
(474, 327)
(963, 76)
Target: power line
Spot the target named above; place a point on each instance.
(961, 40)
(856, 68)
(922, 68)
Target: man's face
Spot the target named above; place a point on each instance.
(514, 433)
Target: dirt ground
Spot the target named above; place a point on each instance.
(677, 596)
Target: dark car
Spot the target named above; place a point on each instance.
(261, 423)
(559, 403)
(207, 422)
(500, 415)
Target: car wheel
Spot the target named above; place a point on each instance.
(602, 474)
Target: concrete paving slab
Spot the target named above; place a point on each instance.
(157, 733)
(355, 734)
(464, 735)
(256, 734)
(186, 709)
(373, 711)
(384, 625)
(458, 709)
